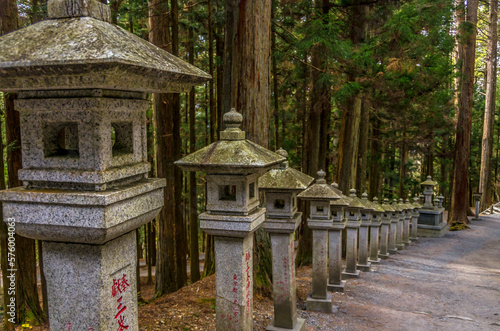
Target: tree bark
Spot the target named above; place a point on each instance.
(364, 126)
(375, 156)
(459, 202)
(159, 22)
(213, 111)
(193, 196)
(489, 109)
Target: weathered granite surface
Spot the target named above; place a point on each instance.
(82, 216)
(232, 225)
(89, 285)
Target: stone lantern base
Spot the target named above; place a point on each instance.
(431, 224)
(92, 287)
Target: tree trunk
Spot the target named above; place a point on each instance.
(374, 161)
(489, 109)
(193, 196)
(364, 126)
(277, 143)
(159, 22)
(213, 112)
(403, 160)
(458, 218)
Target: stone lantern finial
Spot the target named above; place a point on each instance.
(321, 177)
(283, 153)
(78, 8)
(232, 121)
(375, 200)
(334, 184)
(352, 192)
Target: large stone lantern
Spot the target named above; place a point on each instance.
(280, 187)
(81, 85)
(320, 221)
(353, 215)
(233, 166)
(337, 207)
(430, 219)
(428, 186)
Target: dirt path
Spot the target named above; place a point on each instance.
(450, 283)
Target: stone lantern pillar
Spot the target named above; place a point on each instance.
(280, 187)
(320, 221)
(363, 234)
(477, 201)
(414, 221)
(393, 230)
(353, 215)
(374, 231)
(233, 165)
(384, 230)
(82, 102)
(441, 201)
(335, 282)
(407, 220)
(428, 186)
(399, 229)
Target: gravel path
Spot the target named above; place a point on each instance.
(449, 283)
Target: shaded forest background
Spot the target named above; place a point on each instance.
(379, 94)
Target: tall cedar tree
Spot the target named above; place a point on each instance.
(459, 202)
(489, 109)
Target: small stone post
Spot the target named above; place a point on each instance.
(406, 222)
(335, 282)
(280, 187)
(353, 212)
(414, 220)
(393, 230)
(363, 234)
(441, 201)
(233, 166)
(384, 230)
(82, 103)
(477, 201)
(320, 221)
(374, 231)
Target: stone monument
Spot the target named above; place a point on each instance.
(400, 211)
(407, 220)
(430, 220)
(280, 187)
(320, 221)
(393, 229)
(352, 213)
(335, 282)
(233, 166)
(82, 85)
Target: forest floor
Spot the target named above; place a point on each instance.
(450, 283)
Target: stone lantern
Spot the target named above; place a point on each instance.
(363, 234)
(393, 229)
(233, 165)
(400, 209)
(428, 186)
(320, 221)
(280, 187)
(414, 220)
(385, 229)
(477, 202)
(375, 225)
(441, 201)
(353, 215)
(82, 102)
(430, 219)
(335, 282)
(407, 220)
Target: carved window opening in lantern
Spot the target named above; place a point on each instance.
(60, 140)
(122, 138)
(251, 190)
(227, 193)
(279, 204)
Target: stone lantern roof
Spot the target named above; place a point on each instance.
(416, 204)
(320, 190)
(429, 182)
(77, 48)
(232, 154)
(284, 177)
(377, 206)
(368, 204)
(355, 202)
(397, 207)
(387, 206)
